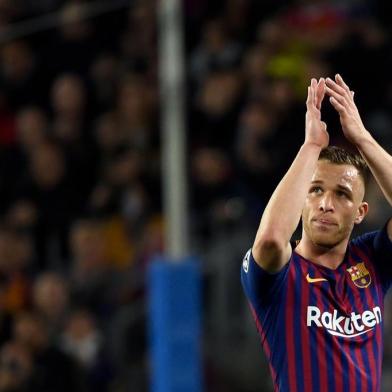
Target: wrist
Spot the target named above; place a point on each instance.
(312, 146)
(364, 138)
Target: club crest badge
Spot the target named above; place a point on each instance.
(360, 275)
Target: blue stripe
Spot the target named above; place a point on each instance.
(377, 357)
(313, 344)
(269, 305)
(329, 356)
(297, 321)
(370, 385)
(366, 361)
(345, 367)
(274, 332)
(352, 344)
(281, 341)
(341, 341)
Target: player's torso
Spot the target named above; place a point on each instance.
(326, 334)
(346, 302)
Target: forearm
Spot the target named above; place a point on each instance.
(379, 162)
(271, 248)
(283, 212)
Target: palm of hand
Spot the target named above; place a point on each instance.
(342, 99)
(352, 125)
(316, 130)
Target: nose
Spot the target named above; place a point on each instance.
(326, 203)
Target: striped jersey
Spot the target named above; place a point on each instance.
(321, 329)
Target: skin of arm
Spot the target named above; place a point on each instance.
(378, 160)
(271, 248)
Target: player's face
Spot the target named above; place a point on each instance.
(333, 204)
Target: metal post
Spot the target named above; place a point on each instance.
(171, 58)
(175, 279)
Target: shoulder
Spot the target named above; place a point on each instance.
(378, 240)
(376, 248)
(364, 240)
(259, 284)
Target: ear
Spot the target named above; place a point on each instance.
(361, 213)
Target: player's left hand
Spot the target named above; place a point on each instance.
(315, 129)
(342, 99)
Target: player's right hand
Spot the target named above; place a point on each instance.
(315, 129)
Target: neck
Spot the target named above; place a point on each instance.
(330, 257)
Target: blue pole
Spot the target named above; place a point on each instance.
(175, 326)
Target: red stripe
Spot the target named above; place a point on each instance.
(337, 362)
(369, 346)
(370, 298)
(321, 352)
(290, 330)
(352, 365)
(379, 360)
(358, 350)
(351, 371)
(306, 357)
(373, 361)
(264, 343)
(335, 348)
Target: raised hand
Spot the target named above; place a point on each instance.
(315, 129)
(342, 99)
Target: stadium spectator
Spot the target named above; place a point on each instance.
(80, 160)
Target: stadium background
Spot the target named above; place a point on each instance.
(80, 173)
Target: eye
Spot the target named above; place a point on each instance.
(342, 194)
(316, 190)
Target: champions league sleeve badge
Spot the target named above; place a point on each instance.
(245, 262)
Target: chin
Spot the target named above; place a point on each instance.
(325, 244)
(325, 241)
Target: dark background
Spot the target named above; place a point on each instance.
(80, 186)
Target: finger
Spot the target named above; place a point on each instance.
(340, 82)
(333, 85)
(324, 125)
(313, 87)
(321, 83)
(340, 98)
(338, 106)
(320, 93)
(308, 99)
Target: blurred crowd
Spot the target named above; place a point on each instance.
(80, 187)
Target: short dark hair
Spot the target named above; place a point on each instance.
(340, 156)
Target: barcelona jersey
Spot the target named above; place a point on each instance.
(321, 329)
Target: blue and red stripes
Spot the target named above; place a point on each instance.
(307, 358)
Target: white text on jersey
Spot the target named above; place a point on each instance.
(348, 327)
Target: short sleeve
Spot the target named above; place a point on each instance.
(381, 245)
(383, 250)
(261, 287)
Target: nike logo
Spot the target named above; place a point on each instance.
(314, 280)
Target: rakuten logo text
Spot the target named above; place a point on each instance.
(347, 327)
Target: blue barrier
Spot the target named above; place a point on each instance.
(175, 326)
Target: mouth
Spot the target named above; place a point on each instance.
(325, 222)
